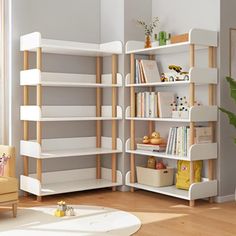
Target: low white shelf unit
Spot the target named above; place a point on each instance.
(68, 181)
(62, 181)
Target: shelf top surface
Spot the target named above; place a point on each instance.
(34, 40)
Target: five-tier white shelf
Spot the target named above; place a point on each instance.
(48, 183)
(198, 39)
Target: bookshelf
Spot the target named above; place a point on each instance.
(198, 40)
(63, 181)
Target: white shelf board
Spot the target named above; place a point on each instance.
(68, 147)
(198, 76)
(34, 40)
(67, 113)
(34, 77)
(196, 114)
(68, 181)
(201, 38)
(204, 189)
(204, 151)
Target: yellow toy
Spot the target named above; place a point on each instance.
(59, 213)
(183, 174)
(156, 139)
(146, 140)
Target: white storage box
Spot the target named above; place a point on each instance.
(156, 178)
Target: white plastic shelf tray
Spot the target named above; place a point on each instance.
(204, 151)
(68, 181)
(204, 189)
(34, 77)
(199, 76)
(67, 113)
(196, 114)
(203, 38)
(35, 40)
(66, 147)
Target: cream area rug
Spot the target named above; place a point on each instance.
(88, 220)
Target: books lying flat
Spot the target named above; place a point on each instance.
(151, 147)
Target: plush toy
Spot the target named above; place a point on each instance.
(3, 162)
(61, 209)
(151, 163)
(160, 165)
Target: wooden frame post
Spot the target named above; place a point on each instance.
(114, 114)
(25, 122)
(191, 103)
(211, 92)
(98, 114)
(38, 125)
(132, 122)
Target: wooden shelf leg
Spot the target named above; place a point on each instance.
(132, 122)
(211, 91)
(26, 123)
(191, 103)
(98, 114)
(38, 125)
(114, 122)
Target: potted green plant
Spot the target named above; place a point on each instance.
(148, 30)
(231, 115)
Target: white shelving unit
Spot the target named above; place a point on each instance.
(42, 184)
(198, 40)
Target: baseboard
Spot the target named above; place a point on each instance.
(227, 198)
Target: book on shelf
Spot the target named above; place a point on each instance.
(178, 141)
(151, 147)
(165, 99)
(146, 104)
(146, 71)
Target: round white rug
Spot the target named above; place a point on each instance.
(89, 220)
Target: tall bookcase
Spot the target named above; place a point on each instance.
(47, 183)
(198, 39)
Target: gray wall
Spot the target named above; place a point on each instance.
(76, 20)
(227, 161)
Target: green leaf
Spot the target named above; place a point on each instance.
(231, 116)
(232, 84)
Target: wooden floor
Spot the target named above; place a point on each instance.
(160, 215)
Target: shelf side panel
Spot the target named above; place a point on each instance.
(30, 41)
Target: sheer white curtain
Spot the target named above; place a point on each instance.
(2, 74)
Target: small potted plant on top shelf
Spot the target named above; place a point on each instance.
(148, 30)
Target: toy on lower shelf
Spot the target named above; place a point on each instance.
(63, 210)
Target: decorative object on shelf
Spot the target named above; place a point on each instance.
(180, 108)
(179, 38)
(175, 74)
(148, 30)
(151, 162)
(231, 115)
(146, 140)
(160, 165)
(156, 138)
(183, 173)
(168, 41)
(3, 162)
(156, 41)
(162, 38)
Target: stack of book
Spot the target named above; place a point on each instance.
(154, 104)
(146, 72)
(151, 147)
(179, 139)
